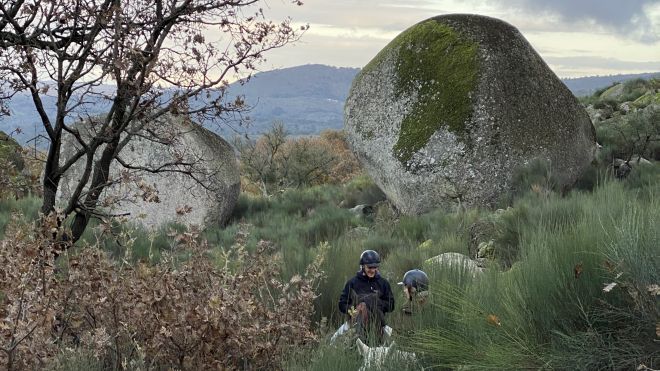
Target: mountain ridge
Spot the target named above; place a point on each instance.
(307, 99)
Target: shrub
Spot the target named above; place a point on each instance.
(133, 242)
(535, 177)
(636, 134)
(340, 264)
(325, 357)
(644, 176)
(362, 191)
(347, 166)
(606, 104)
(275, 162)
(633, 89)
(27, 208)
(553, 308)
(19, 172)
(184, 314)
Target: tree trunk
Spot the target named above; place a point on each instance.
(52, 176)
(99, 182)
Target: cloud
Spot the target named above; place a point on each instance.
(604, 63)
(352, 32)
(576, 66)
(635, 19)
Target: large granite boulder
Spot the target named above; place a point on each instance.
(155, 199)
(448, 110)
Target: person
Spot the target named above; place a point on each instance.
(365, 299)
(415, 286)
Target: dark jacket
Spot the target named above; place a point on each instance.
(362, 288)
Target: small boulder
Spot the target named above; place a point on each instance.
(453, 260)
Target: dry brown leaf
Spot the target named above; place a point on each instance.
(493, 320)
(577, 270)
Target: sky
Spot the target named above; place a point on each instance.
(575, 37)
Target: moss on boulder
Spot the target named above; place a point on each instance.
(438, 64)
(647, 99)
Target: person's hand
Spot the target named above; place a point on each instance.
(353, 312)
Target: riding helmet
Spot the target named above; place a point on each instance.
(370, 258)
(417, 279)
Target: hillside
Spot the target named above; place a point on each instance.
(307, 99)
(582, 86)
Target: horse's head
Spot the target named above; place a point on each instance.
(376, 357)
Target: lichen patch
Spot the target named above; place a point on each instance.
(440, 66)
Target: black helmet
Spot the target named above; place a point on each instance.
(417, 279)
(370, 258)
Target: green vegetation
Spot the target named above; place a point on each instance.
(549, 310)
(641, 92)
(26, 209)
(647, 99)
(634, 89)
(441, 66)
(10, 150)
(571, 278)
(636, 134)
(627, 120)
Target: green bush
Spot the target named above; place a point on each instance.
(600, 91)
(27, 207)
(633, 89)
(536, 176)
(362, 191)
(644, 176)
(635, 134)
(606, 103)
(76, 360)
(132, 242)
(296, 221)
(340, 265)
(550, 310)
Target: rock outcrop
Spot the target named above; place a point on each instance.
(154, 199)
(448, 110)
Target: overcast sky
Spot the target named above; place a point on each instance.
(575, 37)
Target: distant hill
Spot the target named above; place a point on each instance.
(307, 99)
(582, 86)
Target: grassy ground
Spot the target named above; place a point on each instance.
(550, 309)
(546, 308)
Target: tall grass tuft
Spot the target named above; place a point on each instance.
(552, 308)
(297, 221)
(325, 357)
(28, 207)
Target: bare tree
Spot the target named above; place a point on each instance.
(276, 161)
(141, 59)
(260, 158)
